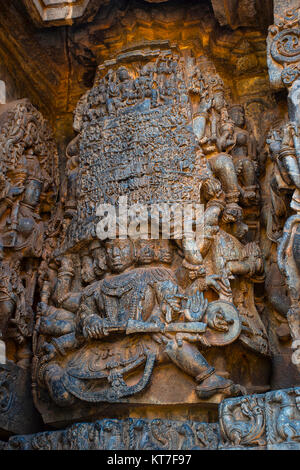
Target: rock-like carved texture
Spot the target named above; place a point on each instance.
(178, 113)
(237, 13)
(61, 70)
(283, 419)
(243, 422)
(60, 12)
(17, 412)
(269, 421)
(128, 434)
(155, 128)
(283, 49)
(228, 12)
(28, 188)
(283, 61)
(255, 422)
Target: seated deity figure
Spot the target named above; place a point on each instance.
(128, 321)
(126, 86)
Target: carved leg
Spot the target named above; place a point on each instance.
(291, 165)
(7, 309)
(289, 267)
(246, 169)
(223, 168)
(188, 358)
(53, 378)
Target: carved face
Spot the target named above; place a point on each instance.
(219, 100)
(123, 74)
(165, 252)
(237, 114)
(87, 272)
(146, 251)
(119, 254)
(239, 229)
(33, 192)
(99, 261)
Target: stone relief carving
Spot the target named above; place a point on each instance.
(131, 434)
(112, 312)
(282, 409)
(283, 48)
(269, 421)
(155, 321)
(17, 412)
(242, 422)
(45, 13)
(283, 60)
(28, 186)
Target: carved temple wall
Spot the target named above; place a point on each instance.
(150, 342)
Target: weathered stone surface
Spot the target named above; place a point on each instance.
(283, 419)
(69, 60)
(147, 106)
(257, 422)
(28, 185)
(172, 105)
(269, 421)
(17, 412)
(130, 434)
(283, 62)
(243, 422)
(61, 12)
(282, 6)
(237, 13)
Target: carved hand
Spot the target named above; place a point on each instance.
(15, 191)
(43, 308)
(171, 305)
(195, 307)
(196, 273)
(191, 338)
(205, 105)
(217, 284)
(50, 352)
(93, 327)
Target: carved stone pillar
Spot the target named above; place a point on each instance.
(284, 72)
(28, 184)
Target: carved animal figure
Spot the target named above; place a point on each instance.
(243, 423)
(288, 420)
